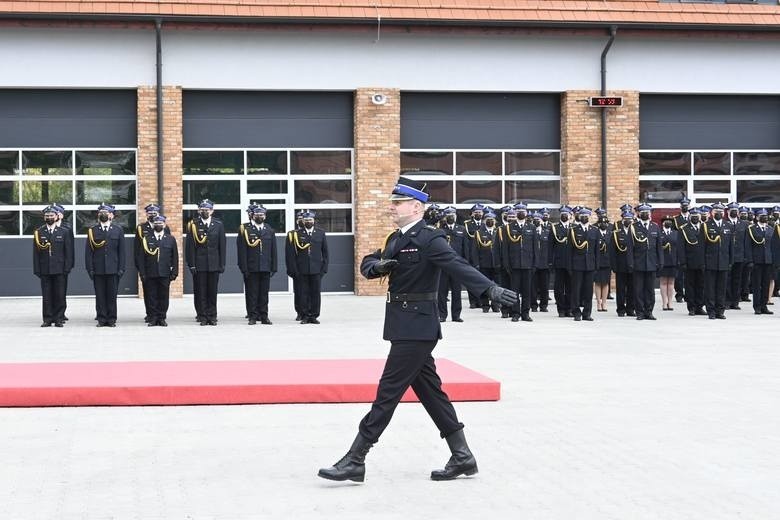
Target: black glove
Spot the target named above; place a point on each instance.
(193, 270)
(91, 275)
(385, 266)
(503, 296)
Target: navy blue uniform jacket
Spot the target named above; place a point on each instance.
(209, 256)
(52, 252)
(583, 258)
(254, 256)
(519, 246)
(164, 263)
(621, 250)
(692, 246)
(647, 246)
(312, 259)
(422, 253)
(104, 252)
(758, 244)
(718, 246)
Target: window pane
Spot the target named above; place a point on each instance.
(478, 163)
(213, 163)
(231, 218)
(45, 192)
(440, 192)
(533, 192)
(711, 187)
(9, 222)
(662, 191)
(9, 192)
(47, 163)
(266, 186)
(112, 192)
(105, 163)
(533, 163)
(471, 192)
(426, 163)
(712, 163)
(321, 162)
(764, 191)
(85, 219)
(9, 162)
(664, 163)
(276, 219)
(127, 219)
(757, 163)
(219, 192)
(332, 220)
(267, 162)
(323, 192)
(32, 220)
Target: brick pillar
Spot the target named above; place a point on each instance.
(146, 187)
(377, 164)
(581, 151)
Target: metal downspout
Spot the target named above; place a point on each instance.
(158, 30)
(612, 34)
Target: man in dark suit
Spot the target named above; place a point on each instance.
(584, 242)
(450, 287)
(680, 220)
(718, 256)
(648, 261)
(621, 261)
(309, 263)
(157, 261)
(104, 256)
(205, 253)
(52, 261)
(560, 253)
(472, 225)
(692, 262)
(413, 258)
(256, 248)
(61, 222)
(488, 256)
(739, 230)
(289, 258)
(518, 257)
(142, 231)
(540, 283)
(758, 252)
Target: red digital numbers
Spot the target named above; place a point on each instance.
(605, 101)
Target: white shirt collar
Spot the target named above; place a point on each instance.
(206, 222)
(410, 226)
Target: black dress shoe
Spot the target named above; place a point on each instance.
(712, 316)
(569, 314)
(485, 309)
(745, 299)
(515, 318)
(587, 318)
(734, 307)
(314, 321)
(146, 319)
(252, 321)
(650, 317)
(631, 313)
(640, 317)
(533, 309)
(459, 320)
(577, 318)
(679, 299)
(298, 317)
(527, 318)
(58, 324)
(621, 314)
(151, 324)
(561, 314)
(756, 312)
(543, 309)
(304, 321)
(691, 313)
(766, 311)
(64, 318)
(46, 324)
(700, 312)
(720, 316)
(100, 324)
(213, 322)
(265, 321)
(442, 320)
(111, 324)
(162, 323)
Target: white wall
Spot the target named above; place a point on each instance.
(344, 61)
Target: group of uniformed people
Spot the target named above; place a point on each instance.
(714, 256)
(156, 258)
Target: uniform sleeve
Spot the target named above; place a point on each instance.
(324, 253)
(222, 247)
(121, 250)
(444, 257)
(366, 266)
(274, 256)
(175, 259)
(88, 256)
(289, 254)
(241, 249)
(36, 260)
(189, 252)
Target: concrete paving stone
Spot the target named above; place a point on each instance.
(615, 419)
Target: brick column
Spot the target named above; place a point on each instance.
(581, 151)
(377, 164)
(146, 187)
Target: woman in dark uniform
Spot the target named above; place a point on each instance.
(669, 240)
(603, 274)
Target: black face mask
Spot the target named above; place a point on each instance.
(717, 215)
(477, 216)
(103, 218)
(644, 216)
(204, 214)
(743, 216)
(763, 219)
(627, 222)
(695, 220)
(308, 225)
(684, 208)
(584, 219)
(667, 225)
(50, 220)
(258, 219)
(490, 222)
(733, 214)
(564, 217)
(602, 225)
(522, 215)
(159, 227)
(537, 222)
(150, 216)
(450, 220)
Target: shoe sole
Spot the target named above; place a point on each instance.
(469, 472)
(360, 478)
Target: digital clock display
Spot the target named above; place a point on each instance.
(606, 101)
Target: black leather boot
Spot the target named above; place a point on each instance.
(352, 466)
(462, 461)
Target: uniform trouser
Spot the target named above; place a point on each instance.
(409, 363)
(310, 294)
(147, 303)
(735, 283)
(520, 282)
(540, 288)
(196, 297)
(449, 285)
(562, 290)
(158, 290)
(491, 274)
(624, 292)
(747, 272)
(53, 292)
(715, 291)
(502, 278)
(106, 288)
(65, 302)
(207, 283)
(297, 295)
(679, 284)
(582, 293)
(644, 292)
(256, 286)
(761, 275)
(694, 289)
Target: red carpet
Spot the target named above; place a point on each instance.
(218, 382)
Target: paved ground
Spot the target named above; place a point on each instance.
(615, 419)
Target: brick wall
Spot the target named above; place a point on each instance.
(581, 151)
(377, 164)
(146, 187)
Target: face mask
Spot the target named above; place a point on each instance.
(150, 216)
(204, 214)
(733, 214)
(490, 222)
(667, 225)
(584, 219)
(627, 222)
(684, 208)
(545, 218)
(696, 219)
(159, 227)
(763, 219)
(477, 216)
(743, 216)
(564, 217)
(49, 220)
(308, 225)
(644, 216)
(602, 225)
(537, 222)
(103, 218)
(258, 219)
(450, 220)
(717, 215)
(522, 215)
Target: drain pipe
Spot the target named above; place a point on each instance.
(612, 34)
(158, 30)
